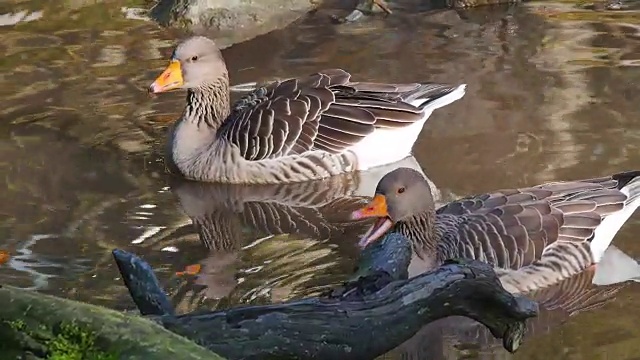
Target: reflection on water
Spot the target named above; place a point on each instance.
(552, 94)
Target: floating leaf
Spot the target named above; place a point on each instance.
(190, 270)
(4, 256)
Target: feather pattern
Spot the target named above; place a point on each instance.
(538, 235)
(323, 111)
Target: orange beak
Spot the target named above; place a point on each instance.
(170, 79)
(376, 208)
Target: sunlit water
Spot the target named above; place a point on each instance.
(552, 95)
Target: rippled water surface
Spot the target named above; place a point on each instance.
(553, 94)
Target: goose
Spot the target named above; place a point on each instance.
(534, 237)
(294, 130)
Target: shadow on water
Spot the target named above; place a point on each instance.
(552, 94)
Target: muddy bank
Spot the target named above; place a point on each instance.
(231, 21)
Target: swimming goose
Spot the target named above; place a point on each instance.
(534, 237)
(295, 130)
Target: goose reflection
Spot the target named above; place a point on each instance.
(276, 241)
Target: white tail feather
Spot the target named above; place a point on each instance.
(607, 230)
(454, 95)
(386, 146)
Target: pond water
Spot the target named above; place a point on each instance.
(552, 95)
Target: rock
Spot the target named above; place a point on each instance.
(230, 21)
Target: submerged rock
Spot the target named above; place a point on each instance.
(237, 20)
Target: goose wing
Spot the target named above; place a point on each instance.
(323, 111)
(515, 228)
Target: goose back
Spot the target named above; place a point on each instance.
(323, 111)
(539, 235)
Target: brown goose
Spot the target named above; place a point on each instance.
(295, 130)
(533, 236)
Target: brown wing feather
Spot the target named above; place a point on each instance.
(322, 111)
(515, 228)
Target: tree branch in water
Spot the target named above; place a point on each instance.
(365, 317)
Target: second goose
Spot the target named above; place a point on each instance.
(534, 237)
(295, 130)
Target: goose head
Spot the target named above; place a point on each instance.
(401, 195)
(196, 63)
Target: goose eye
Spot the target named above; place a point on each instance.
(401, 190)
(194, 58)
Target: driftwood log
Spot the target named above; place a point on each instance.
(377, 310)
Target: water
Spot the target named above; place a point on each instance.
(552, 95)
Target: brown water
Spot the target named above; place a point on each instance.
(552, 94)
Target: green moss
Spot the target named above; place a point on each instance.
(129, 336)
(68, 341)
(73, 343)
(17, 325)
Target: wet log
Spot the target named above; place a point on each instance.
(35, 326)
(375, 311)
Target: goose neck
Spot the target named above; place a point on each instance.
(420, 230)
(208, 105)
